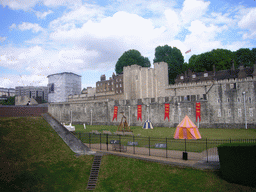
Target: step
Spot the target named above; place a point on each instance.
(94, 173)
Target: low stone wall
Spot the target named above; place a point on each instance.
(22, 111)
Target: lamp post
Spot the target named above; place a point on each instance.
(91, 116)
(148, 111)
(245, 119)
(179, 112)
(71, 118)
(129, 114)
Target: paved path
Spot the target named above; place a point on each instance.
(195, 160)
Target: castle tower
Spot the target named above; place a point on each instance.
(144, 82)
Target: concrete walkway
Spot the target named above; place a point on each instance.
(176, 159)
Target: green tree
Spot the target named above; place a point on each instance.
(254, 55)
(131, 57)
(221, 58)
(9, 101)
(245, 56)
(173, 57)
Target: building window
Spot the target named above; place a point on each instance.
(120, 91)
(229, 112)
(231, 86)
(116, 85)
(250, 100)
(251, 112)
(228, 100)
(108, 83)
(205, 74)
(194, 76)
(239, 112)
(112, 88)
(218, 100)
(238, 100)
(112, 83)
(224, 87)
(120, 85)
(219, 112)
(189, 111)
(181, 77)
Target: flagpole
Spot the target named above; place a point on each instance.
(198, 122)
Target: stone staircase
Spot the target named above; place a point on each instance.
(94, 172)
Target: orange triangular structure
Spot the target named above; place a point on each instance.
(187, 130)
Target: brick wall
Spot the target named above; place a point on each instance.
(21, 111)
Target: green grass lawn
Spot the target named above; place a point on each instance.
(158, 135)
(126, 174)
(34, 158)
(163, 132)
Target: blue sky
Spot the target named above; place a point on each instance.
(42, 37)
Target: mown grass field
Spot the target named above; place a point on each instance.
(214, 137)
(34, 158)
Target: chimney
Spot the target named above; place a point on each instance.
(102, 77)
(233, 66)
(254, 69)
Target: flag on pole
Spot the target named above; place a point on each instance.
(198, 111)
(188, 51)
(167, 107)
(139, 112)
(115, 113)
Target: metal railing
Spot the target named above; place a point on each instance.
(201, 149)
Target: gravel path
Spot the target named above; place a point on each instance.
(212, 153)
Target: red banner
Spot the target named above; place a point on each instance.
(139, 112)
(166, 114)
(115, 113)
(198, 111)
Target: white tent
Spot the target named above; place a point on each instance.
(147, 125)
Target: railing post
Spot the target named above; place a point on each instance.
(206, 150)
(107, 141)
(120, 142)
(100, 141)
(166, 148)
(230, 140)
(80, 136)
(90, 140)
(133, 144)
(185, 145)
(148, 146)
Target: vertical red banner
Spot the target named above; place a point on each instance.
(139, 112)
(198, 111)
(115, 113)
(167, 109)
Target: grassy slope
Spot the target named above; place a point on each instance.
(163, 132)
(34, 158)
(124, 174)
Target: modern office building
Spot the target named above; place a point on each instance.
(62, 85)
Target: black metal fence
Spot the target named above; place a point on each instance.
(202, 149)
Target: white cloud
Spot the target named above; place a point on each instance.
(42, 15)
(78, 16)
(248, 22)
(193, 10)
(30, 26)
(173, 21)
(2, 39)
(13, 26)
(29, 4)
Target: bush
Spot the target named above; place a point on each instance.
(238, 162)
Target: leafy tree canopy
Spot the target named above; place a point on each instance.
(9, 101)
(173, 57)
(131, 57)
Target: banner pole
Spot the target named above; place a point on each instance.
(198, 122)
